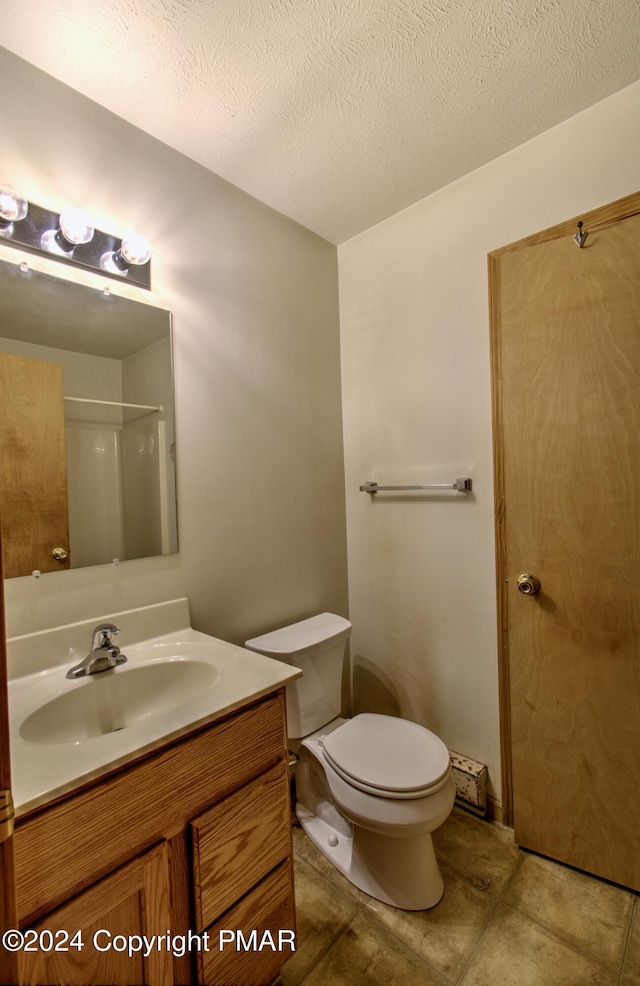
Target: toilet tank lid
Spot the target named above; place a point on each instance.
(325, 628)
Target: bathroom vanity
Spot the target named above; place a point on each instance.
(183, 839)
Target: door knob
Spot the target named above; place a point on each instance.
(528, 585)
(60, 554)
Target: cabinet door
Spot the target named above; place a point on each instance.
(133, 900)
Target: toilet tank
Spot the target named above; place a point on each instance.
(317, 647)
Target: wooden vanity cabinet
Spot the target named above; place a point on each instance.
(195, 837)
(132, 901)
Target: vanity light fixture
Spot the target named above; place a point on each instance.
(69, 236)
(13, 208)
(134, 251)
(74, 229)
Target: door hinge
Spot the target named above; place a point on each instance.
(6, 815)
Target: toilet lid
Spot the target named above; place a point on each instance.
(390, 755)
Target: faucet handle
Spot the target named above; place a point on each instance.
(107, 631)
(101, 658)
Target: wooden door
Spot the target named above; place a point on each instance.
(33, 473)
(92, 931)
(566, 324)
(8, 909)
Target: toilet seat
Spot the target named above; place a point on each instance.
(388, 757)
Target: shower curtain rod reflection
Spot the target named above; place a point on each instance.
(140, 407)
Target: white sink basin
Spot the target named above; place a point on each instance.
(112, 700)
(65, 732)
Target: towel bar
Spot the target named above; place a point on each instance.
(461, 485)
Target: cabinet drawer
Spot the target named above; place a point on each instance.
(268, 908)
(238, 841)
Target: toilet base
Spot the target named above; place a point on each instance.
(400, 872)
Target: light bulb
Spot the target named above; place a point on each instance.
(13, 206)
(135, 249)
(75, 226)
(74, 229)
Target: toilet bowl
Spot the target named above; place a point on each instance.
(378, 836)
(369, 790)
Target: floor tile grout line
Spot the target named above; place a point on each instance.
(514, 873)
(635, 913)
(557, 935)
(561, 940)
(364, 909)
(498, 900)
(407, 948)
(325, 951)
(359, 906)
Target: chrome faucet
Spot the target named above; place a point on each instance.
(102, 656)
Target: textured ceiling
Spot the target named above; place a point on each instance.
(338, 113)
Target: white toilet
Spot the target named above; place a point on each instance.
(370, 790)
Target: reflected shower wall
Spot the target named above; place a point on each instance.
(147, 527)
(95, 492)
(121, 504)
(148, 451)
(120, 469)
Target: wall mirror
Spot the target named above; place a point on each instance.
(87, 455)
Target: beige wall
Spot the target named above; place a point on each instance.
(259, 439)
(417, 409)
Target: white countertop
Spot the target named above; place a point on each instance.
(44, 770)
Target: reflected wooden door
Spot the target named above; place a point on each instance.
(567, 384)
(33, 475)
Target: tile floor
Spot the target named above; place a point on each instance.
(507, 918)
